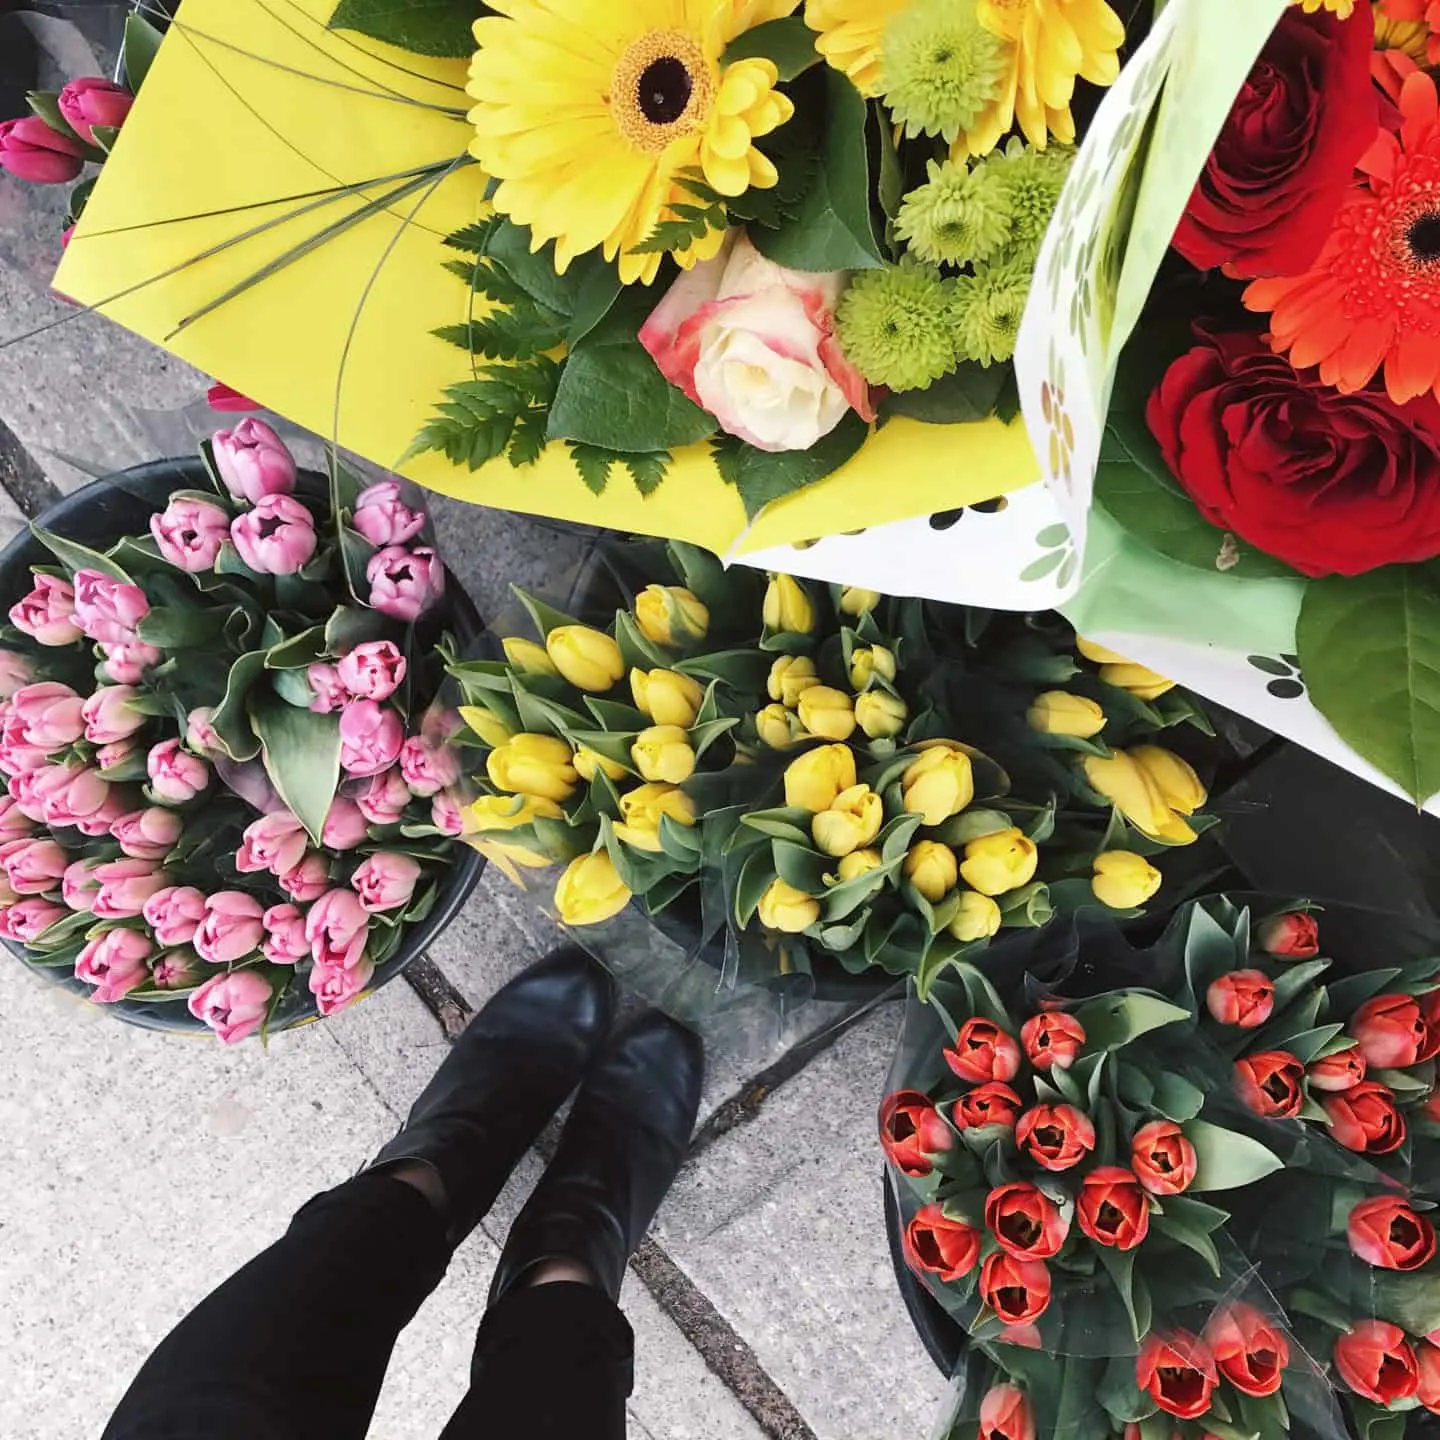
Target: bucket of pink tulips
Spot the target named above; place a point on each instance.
(227, 795)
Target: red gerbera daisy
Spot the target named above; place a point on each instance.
(1372, 299)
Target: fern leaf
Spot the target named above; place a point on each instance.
(528, 443)
(726, 451)
(474, 239)
(594, 464)
(693, 181)
(463, 269)
(648, 469)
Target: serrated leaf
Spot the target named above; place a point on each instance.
(473, 239)
(593, 464)
(648, 470)
(762, 476)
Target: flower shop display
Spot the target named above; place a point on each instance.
(806, 776)
(228, 797)
(1183, 1190)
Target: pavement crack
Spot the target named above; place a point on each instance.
(21, 476)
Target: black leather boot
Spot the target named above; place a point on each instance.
(622, 1148)
(507, 1075)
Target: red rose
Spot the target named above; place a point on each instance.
(1162, 1158)
(1251, 1353)
(992, 1104)
(1243, 997)
(1269, 1083)
(1178, 1370)
(1055, 1136)
(1343, 1070)
(1427, 1361)
(912, 1132)
(1332, 484)
(1274, 182)
(1052, 1038)
(983, 1051)
(1005, 1414)
(1390, 1031)
(1018, 1291)
(1112, 1208)
(1385, 1232)
(1026, 1223)
(1364, 1119)
(1376, 1361)
(1295, 936)
(934, 1244)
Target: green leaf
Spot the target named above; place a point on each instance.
(75, 556)
(232, 715)
(800, 866)
(1112, 1021)
(141, 45)
(789, 42)
(597, 292)
(1120, 1266)
(786, 822)
(423, 27)
(1369, 648)
(476, 421)
(1176, 1098)
(968, 393)
(762, 476)
(594, 464)
(175, 629)
(1410, 1301)
(1227, 1160)
(302, 757)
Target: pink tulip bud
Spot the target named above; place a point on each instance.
(383, 518)
(176, 776)
(79, 885)
(330, 691)
(108, 610)
(370, 737)
(176, 970)
(277, 537)
(285, 942)
(110, 714)
(428, 769)
(67, 794)
(175, 913)
(374, 670)
(386, 881)
(337, 928)
(28, 920)
(189, 533)
(404, 584)
(447, 811)
(276, 843)
(115, 754)
(149, 834)
(334, 986)
(115, 963)
(125, 886)
(90, 101)
(234, 1005)
(253, 461)
(34, 151)
(47, 613)
(15, 671)
(33, 866)
(225, 399)
(14, 822)
(345, 825)
(127, 664)
(231, 928)
(50, 714)
(385, 799)
(121, 800)
(309, 880)
(200, 733)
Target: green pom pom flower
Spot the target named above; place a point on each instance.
(895, 325)
(986, 309)
(940, 67)
(1033, 180)
(961, 216)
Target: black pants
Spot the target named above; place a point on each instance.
(295, 1345)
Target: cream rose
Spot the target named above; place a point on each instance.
(754, 344)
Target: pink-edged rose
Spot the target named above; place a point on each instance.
(370, 737)
(345, 825)
(91, 101)
(176, 776)
(336, 986)
(328, 688)
(108, 610)
(47, 613)
(33, 866)
(383, 518)
(276, 843)
(253, 461)
(189, 533)
(309, 880)
(385, 798)
(337, 928)
(233, 1005)
(148, 834)
(126, 664)
(15, 671)
(200, 733)
(386, 881)
(29, 919)
(754, 344)
(115, 963)
(277, 537)
(405, 583)
(79, 886)
(285, 940)
(175, 913)
(447, 810)
(125, 886)
(49, 715)
(231, 929)
(373, 670)
(427, 768)
(110, 714)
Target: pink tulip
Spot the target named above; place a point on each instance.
(18, 760)
(345, 825)
(276, 843)
(253, 461)
(189, 533)
(121, 800)
(110, 714)
(428, 769)
(115, 964)
(114, 755)
(385, 799)
(285, 942)
(15, 671)
(234, 1005)
(7, 895)
(231, 928)
(33, 866)
(334, 986)
(47, 613)
(127, 664)
(309, 880)
(79, 885)
(386, 881)
(374, 670)
(176, 970)
(65, 794)
(370, 737)
(200, 734)
(330, 691)
(175, 913)
(148, 834)
(108, 610)
(50, 714)
(28, 920)
(125, 886)
(337, 928)
(225, 398)
(383, 518)
(447, 811)
(404, 584)
(14, 822)
(34, 151)
(277, 537)
(176, 776)
(90, 101)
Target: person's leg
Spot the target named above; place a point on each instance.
(554, 1353)
(294, 1347)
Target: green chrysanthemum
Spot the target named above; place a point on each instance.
(961, 216)
(894, 325)
(1033, 180)
(986, 309)
(940, 67)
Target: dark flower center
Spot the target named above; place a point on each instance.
(1011, 1300)
(1181, 1385)
(1021, 1230)
(1423, 238)
(927, 1246)
(1108, 1218)
(1277, 1086)
(1049, 1137)
(664, 90)
(1404, 1232)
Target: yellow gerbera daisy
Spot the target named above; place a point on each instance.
(1054, 41)
(851, 32)
(587, 110)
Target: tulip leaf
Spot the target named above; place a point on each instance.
(175, 629)
(75, 556)
(301, 750)
(702, 737)
(1131, 1288)
(1410, 1301)
(1199, 1241)
(231, 720)
(800, 866)
(894, 840)
(1306, 1045)
(1175, 1097)
(1226, 1159)
(141, 46)
(1126, 1403)
(441, 28)
(786, 822)
(1112, 1021)
(754, 880)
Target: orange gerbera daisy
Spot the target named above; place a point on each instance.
(1372, 299)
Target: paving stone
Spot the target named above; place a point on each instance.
(12, 520)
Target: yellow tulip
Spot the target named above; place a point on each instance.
(1098, 653)
(1057, 712)
(528, 658)
(940, 783)
(534, 765)
(881, 715)
(642, 809)
(977, 917)
(588, 659)
(827, 712)
(853, 820)
(995, 864)
(663, 753)
(486, 724)
(509, 812)
(1130, 788)
(590, 890)
(1173, 777)
(790, 676)
(857, 602)
(868, 661)
(788, 609)
(858, 863)
(667, 696)
(931, 868)
(508, 858)
(671, 615)
(815, 780)
(778, 728)
(589, 763)
(1124, 880)
(1142, 683)
(783, 907)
